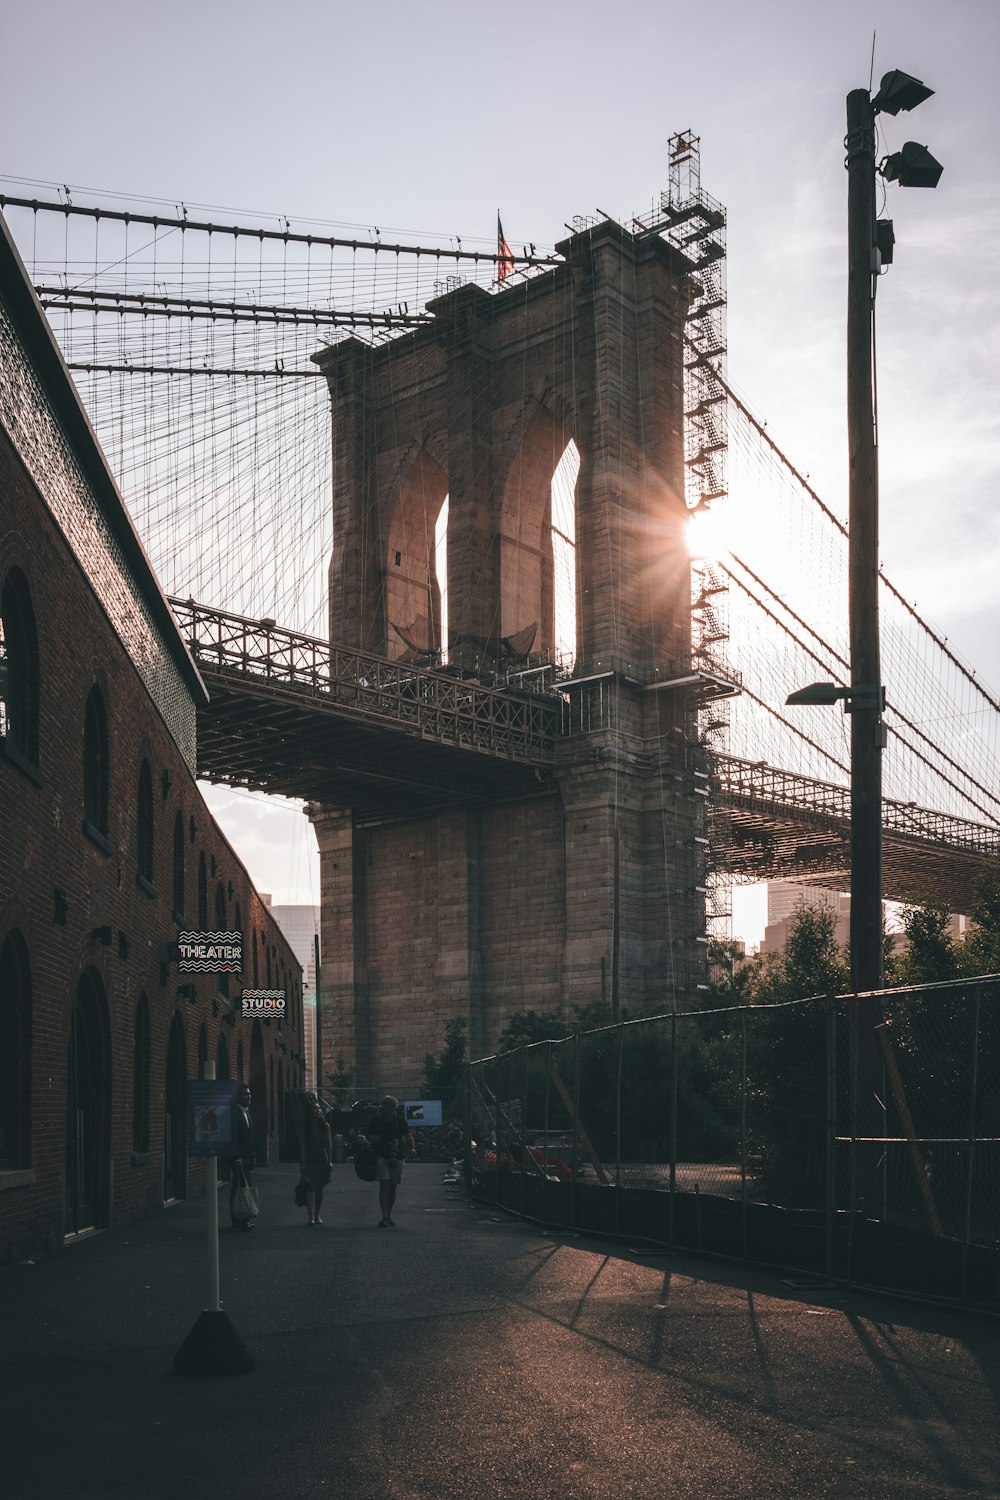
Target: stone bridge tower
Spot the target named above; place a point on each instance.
(593, 887)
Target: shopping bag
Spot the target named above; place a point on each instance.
(302, 1187)
(364, 1161)
(246, 1204)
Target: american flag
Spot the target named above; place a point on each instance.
(505, 255)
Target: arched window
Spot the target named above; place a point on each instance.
(18, 668)
(221, 921)
(256, 967)
(144, 825)
(95, 765)
(15, 1054)
(202, 893)
(222, 1058)
(202, 1050)
(178, 883)
(140, 1079)
(239, 1063)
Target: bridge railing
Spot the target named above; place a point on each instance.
(798, 1135)
(755, 781)
(430, 703)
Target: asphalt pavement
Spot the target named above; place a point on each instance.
(465, 1354)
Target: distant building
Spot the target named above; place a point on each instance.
(300, 924)
(108, 848)
(784, 898)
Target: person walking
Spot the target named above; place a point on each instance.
(389, 1137)
(315, 1156)
(245, 1160)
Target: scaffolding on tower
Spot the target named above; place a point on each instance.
(695, 224)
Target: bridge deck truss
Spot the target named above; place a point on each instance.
(295, 716)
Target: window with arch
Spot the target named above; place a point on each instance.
(18, 669)
(202, 893)
(144, 827)
(95, 765)
(15, 1054)
(222, 1057)
(178, 878)
(202, 1050)
(256, 966)
(140, 1079)
(221, 925)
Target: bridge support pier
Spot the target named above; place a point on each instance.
(590, 885)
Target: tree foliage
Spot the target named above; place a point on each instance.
(445, 1074)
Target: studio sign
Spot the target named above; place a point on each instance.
(210, 952)
(263, 1002)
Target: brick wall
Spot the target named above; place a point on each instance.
(66, 895)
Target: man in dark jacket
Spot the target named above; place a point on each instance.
(243, 1163)
(391, 1138)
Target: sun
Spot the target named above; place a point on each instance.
(704, 535)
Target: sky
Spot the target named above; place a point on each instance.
(430, 117)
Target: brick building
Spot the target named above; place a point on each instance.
(107, 847)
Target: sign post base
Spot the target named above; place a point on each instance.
(213, 1347)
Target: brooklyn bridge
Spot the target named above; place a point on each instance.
(482, 558)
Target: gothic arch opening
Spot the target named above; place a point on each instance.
(538, 541)
(88, 1127)
(412, 591)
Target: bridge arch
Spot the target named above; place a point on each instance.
(527, 554)
(412, 590)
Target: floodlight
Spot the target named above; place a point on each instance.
(817, 693)
(914, 166)
(899, 91)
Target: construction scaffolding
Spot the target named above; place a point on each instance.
(695, 224)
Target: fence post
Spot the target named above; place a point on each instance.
(467, 1120)
(743, 1128)
(618, 1131)
(576, 1118)
(545, 1133)
(972, 1145)
(853, 1124)
(831, 1127)
(524, 1121)
(673, 1127)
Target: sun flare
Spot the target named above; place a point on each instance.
(705, 535)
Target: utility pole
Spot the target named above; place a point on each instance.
(869, 247)
(866, 696)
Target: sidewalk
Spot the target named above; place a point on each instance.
(464, 1354)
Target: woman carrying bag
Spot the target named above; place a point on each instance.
(315, 1156)
(244, 1205)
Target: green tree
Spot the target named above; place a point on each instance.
(932, 953)
(340, 1081)
(527, 1026)
(445, 1074)
(786, 1052)
(980, 952)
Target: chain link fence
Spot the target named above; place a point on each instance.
(852, 1138)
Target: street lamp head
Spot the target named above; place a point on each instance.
(816, 693)
(899, 91)
(914, 166)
